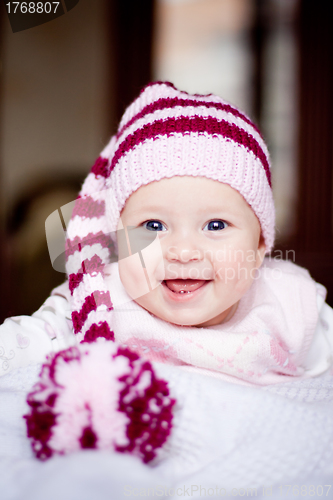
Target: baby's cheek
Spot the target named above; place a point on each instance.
(246, 273)
(236, 276)
(133, 277)
(154, 263)
(243, 284)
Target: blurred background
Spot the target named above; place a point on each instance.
(65, 84)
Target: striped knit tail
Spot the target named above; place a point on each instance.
(89, 247)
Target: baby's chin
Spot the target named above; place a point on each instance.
(183, 319)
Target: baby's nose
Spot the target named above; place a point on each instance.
(184, 252)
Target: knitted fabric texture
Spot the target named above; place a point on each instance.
(98, 396)
(163, 133)
(266, 341)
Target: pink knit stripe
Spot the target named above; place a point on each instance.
(77, 243)
(89, 266)
(196, 124)
(74, 262)
(157, 83)
(100, 167)
(87, 207)
(100, 330)
(171, 85)
(92, 185)
(91, 303)
(172, 102)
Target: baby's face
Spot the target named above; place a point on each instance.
(205, 254)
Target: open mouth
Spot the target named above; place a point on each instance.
(183, 288)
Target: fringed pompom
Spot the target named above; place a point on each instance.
(98, 396)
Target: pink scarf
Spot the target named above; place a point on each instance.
(265, 342)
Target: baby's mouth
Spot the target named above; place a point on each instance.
(181, 286)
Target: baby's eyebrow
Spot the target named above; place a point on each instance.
(221, 211)
(149, 208)
(155, 210)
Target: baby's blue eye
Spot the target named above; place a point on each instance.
(216, 225)
(154, 225)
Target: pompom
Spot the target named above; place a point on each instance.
(100, 396)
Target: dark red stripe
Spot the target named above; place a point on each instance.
(100, 167)
(144, 436)
(90, 304)
(78, 243)
(88, 438)
(74, 280)
(87, 207)
(96, 331)
(172, 102)
(89, 266)
(195, 124)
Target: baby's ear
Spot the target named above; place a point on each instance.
(261, 251)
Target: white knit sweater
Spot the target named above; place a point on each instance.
(225, 436)
(283, 329)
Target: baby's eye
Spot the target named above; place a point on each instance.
(216, 225)
(154, 225)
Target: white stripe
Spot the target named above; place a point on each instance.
(92, 184)
(109, 148)
(81, 227)
(96, 317)
(88, 285)
(74, 262)
(153, 93)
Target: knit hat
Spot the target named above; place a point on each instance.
(163, 133)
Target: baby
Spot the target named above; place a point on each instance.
(183, 193)
(186, 187)
(167, 274)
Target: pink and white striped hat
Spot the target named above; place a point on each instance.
(163, 133)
